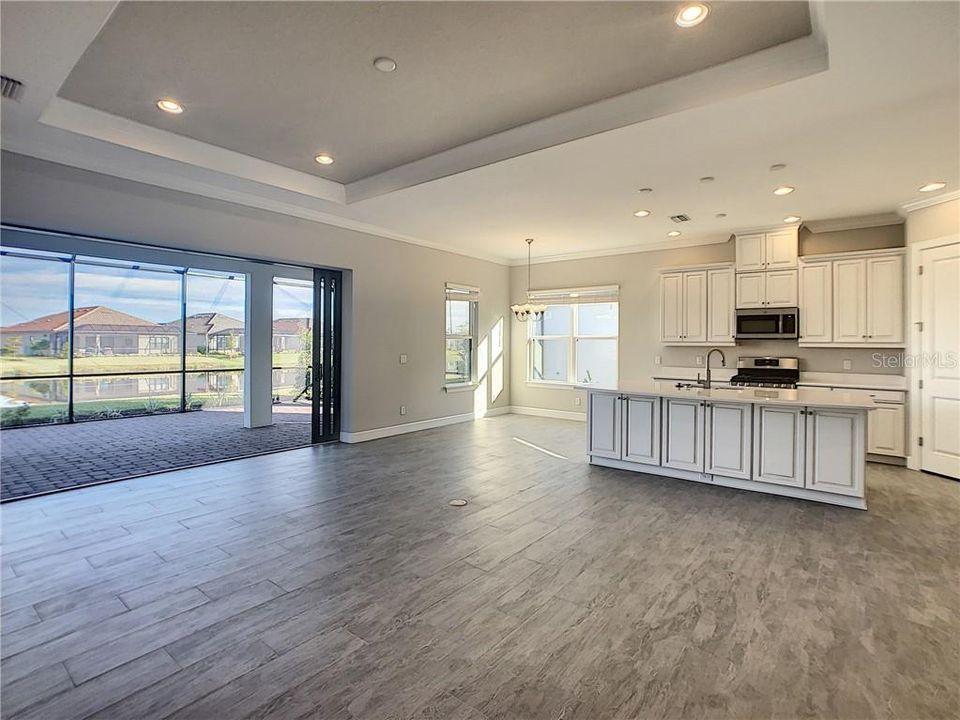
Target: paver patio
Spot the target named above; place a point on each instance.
(54, 457)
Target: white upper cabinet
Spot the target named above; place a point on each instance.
(751, 289)
(816, 304)
(861, 294)
(696, 306)
(781, 249)
(671, 307)
(751, 252)
(885, 299)
(780, 288)
(720, 306)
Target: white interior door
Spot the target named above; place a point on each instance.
(940, 342)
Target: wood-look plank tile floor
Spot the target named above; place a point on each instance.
(336, 582)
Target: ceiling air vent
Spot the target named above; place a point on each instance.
(680, 218)
(10, 88)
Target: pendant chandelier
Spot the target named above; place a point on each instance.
(528, 311)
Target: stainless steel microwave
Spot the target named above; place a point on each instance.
(768, 324)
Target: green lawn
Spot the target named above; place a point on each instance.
(32, 366)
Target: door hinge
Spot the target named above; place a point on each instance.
(920, 441)
(919, 269)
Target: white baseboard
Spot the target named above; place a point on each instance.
(376, 433)
(544, 412)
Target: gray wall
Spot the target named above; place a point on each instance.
(638, 278)
(394, 303)
(934, 222)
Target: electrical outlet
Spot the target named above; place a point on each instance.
(847, 364)
(577, 401)
(403, 358)
(699, 359)
(656, 360)
(403, 409)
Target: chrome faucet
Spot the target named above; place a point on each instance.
(723, 362)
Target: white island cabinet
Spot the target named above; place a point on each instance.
(806, 443)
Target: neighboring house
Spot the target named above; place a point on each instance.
(214, 332)
(97, 330)
(288, 333)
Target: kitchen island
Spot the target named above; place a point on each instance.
(805, 443)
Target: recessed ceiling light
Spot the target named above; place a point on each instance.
(777, 166)
(642, 213)
(791, 219)
(324, 159)
(930, 187)
(784, 190)
(691, 14)
(721, 215)
(385, 64)
(707, 179)
(673, 233)
(645, 190)
(169, 105)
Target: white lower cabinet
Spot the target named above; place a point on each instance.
(886, 430)
(728, 437)
(683, 434)
(641, 429)
(778, 445)
(835, 452)
(604, 411)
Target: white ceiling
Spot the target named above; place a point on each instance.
(858, 139)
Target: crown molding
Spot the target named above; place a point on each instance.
(626, 250)
(912, 205)
(853, 223)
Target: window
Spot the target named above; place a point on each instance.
(575, 340)
(461, 334)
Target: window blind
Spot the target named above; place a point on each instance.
(462, 292)
(570, 296)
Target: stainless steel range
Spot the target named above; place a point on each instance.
(769, 372)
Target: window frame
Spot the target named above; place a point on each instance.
(572, 339)
(473, 298)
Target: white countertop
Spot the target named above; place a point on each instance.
(852, 381)
(811, 397)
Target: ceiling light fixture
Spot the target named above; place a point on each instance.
(784, 190)
(528, 310)
(931, 187)
(641, 213)
(792, 219)
(385, 64)
(169, 105)
(673, 233)
(324, 159)
(691, 14)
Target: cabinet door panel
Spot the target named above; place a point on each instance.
(695, 306)
(885, 299)
(720, 306)
(683, 434)
(835, 452)
(886, 430)
(604, 425)
(849, 301)
(750, 290)
(778, 443)
(781, 288)
(729, 434)
(781, 249)
(751, 252)
(641, 430)
(671, 307)
(816, 303)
